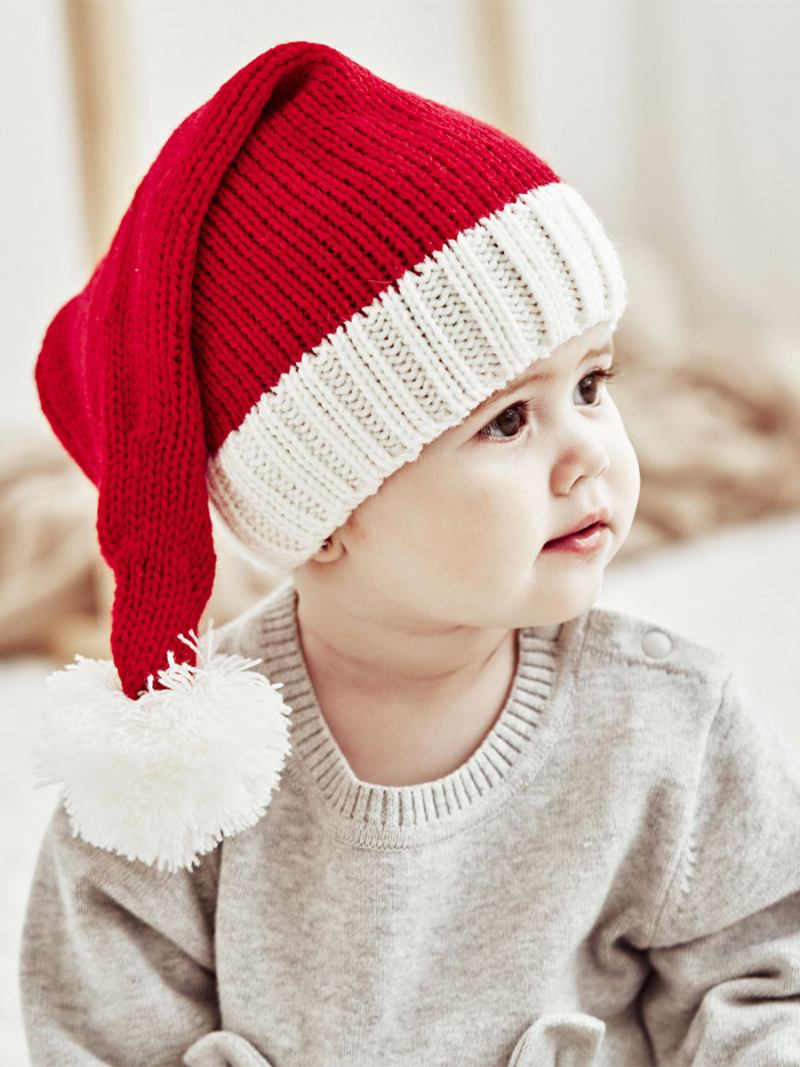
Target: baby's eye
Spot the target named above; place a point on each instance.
(504, 422)
(523, 408)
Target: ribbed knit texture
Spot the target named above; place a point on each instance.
(468, 319)
(312, 250)
(620, 889)
(345, 183)
(398, 816)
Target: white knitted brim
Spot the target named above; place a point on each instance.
(444, 337)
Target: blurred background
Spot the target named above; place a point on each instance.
(676, 120)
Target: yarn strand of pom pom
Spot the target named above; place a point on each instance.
(166, 777)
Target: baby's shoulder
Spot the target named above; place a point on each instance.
(627, 657)
(638, 641)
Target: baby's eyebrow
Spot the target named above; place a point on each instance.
(604, 349)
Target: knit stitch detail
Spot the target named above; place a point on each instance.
(366, 812)
(365, 401)
(319, 274)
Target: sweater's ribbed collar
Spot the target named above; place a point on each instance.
(379, 815)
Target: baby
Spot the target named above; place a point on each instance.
(409, 617)
(423, 804)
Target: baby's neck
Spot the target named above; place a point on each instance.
(389, 738)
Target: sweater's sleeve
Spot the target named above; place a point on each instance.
(116, 963)
(725, 949)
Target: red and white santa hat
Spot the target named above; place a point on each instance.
(319, 274)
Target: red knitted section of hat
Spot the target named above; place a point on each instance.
(305, 187)
(345, 183)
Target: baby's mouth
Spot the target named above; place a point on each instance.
(583, 538)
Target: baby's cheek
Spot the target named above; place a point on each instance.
(630, 466)
(627, 476)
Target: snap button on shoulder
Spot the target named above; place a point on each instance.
(656, 644)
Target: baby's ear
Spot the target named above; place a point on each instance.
(330, 550)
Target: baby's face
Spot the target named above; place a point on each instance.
(458, 534)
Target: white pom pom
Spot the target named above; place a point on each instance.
(165, 777)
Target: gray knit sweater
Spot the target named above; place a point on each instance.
(611, 879)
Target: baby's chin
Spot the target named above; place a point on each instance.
(557, 602)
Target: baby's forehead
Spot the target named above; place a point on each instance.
(570, 354)
(561, 360)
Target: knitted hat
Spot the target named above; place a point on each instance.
(319, 274)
